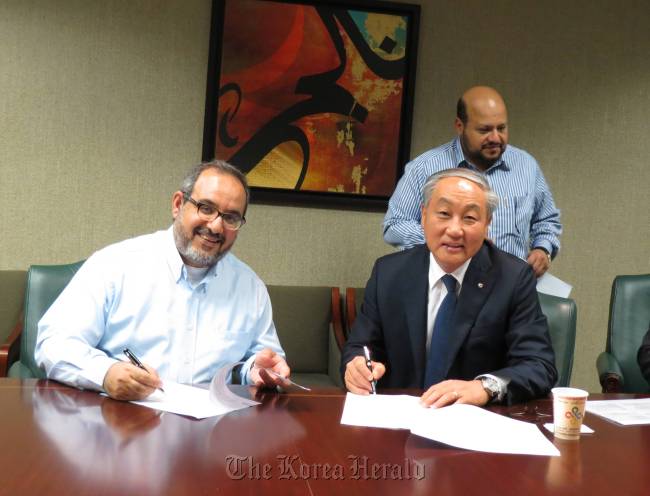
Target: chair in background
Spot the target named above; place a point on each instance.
(309, 325)
(629, 314)
(561, 314)
(12, 289)
(44, 284)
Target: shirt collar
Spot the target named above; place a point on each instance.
(461, 161)
(436, 273)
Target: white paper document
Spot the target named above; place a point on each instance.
(379, 410)
(463, 426)
(624, 412)
(551, 285)
(198, 402)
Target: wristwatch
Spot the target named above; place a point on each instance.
(491, 387)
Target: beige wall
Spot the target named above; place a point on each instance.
(102, 110)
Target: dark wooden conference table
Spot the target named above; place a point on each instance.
(58, 440)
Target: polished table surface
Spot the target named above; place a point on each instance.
(58, 440)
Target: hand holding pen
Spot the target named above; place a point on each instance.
(130, 380)
(362, 373)
(136, 361)
(373, 383)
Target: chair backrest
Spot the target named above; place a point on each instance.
(303, 320)
(629, 315)
(561, 314)
(44, 284)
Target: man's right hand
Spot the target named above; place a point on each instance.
(358, 377)
(125, 381)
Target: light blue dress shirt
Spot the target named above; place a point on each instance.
(136, 294)
(526, 217)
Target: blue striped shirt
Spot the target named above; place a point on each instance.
(526, 217)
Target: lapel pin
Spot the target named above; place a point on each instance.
(480, 285)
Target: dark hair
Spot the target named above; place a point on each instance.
(187, 186)
(461, 110)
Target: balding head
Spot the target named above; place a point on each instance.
(479, 98)
(482, 124)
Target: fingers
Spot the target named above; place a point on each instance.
(539, 261)
(268, 359)
(358, 377)
(124, 381)
(449, 392)
(442, 394)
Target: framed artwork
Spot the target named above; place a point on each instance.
(311, 99)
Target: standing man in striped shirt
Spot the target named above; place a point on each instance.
(526, 223)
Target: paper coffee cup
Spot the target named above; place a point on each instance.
(568, 411)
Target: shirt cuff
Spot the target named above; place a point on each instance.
(502, 385)
(544, 245)
(245, 371)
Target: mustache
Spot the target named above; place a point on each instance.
(212, 236)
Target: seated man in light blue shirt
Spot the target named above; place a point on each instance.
(526, 223)
(178, 299)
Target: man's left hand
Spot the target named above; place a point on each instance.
(539, 260)
(268, 359)
(447, 392)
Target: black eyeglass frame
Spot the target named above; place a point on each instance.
(224, 215)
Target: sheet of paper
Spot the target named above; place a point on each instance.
(198, 402)
(474, 428)
(462, 426)
(623, 412)
(551, 285)
(379, 410)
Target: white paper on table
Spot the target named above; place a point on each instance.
(550, 427)
(623, 412)
(474, 428)
(379, 410)
(551, 285)
(198, 402)
(462, 426)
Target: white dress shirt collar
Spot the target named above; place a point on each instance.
(436, 273)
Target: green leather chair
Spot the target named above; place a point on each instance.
(307, 319)
(561, 314)
(44, 284)
(629, 314)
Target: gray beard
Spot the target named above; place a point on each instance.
(190, 254)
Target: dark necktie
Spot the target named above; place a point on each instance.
(442, 329)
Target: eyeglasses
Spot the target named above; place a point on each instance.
(208, 213)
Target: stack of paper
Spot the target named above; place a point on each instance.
(463, 426)
(198, 402)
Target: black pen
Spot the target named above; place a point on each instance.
(135, 361)
(373, 383)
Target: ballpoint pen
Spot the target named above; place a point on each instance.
(135, 361)
(373, 383)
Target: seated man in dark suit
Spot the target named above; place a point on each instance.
(643, 356)
(457, 317)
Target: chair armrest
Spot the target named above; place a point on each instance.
(337, 318)
(10, 350)
(609, 373)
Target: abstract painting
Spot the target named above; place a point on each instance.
(312, 100)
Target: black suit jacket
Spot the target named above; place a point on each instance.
(643, 356)
(499, 325)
